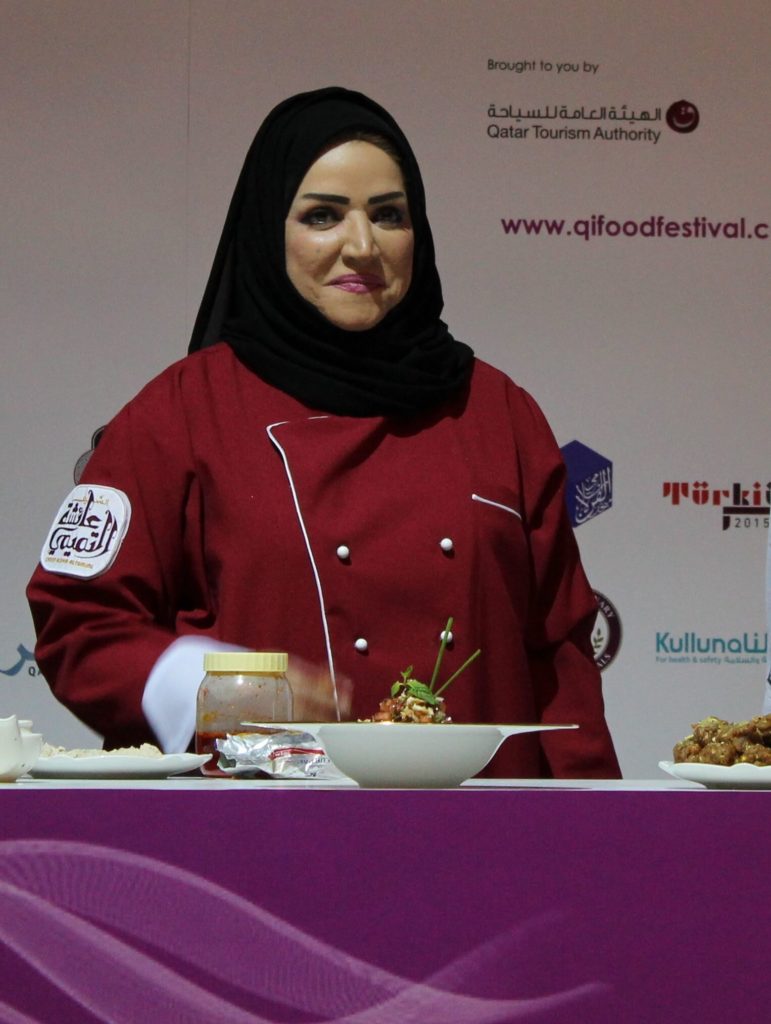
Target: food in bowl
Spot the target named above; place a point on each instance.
(411, 701)
(716, 741)
(417, 702)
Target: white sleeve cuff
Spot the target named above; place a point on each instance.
(168, 701)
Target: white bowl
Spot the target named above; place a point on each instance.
(405, 755)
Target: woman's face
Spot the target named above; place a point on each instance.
(348, 236)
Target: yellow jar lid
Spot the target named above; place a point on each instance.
(246, 661)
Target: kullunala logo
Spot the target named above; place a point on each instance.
(589, 484)
(742, 507)
(691, 647)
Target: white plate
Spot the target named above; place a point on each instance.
(716, 776)
(116, 766)
(408, 755)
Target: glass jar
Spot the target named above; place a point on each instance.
(239, 687)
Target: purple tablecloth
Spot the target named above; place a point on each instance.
(137, 905)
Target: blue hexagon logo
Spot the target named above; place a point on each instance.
(589, 484)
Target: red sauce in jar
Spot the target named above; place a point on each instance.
(205, 744)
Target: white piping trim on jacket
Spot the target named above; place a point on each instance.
(497, 504)
(319, 591)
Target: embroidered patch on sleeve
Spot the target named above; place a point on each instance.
(87, 531)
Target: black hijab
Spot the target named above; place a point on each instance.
(406, 363)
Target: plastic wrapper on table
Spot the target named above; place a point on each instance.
(275, 753)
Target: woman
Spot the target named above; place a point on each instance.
(329, 472)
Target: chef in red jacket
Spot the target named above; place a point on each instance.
(330, 473)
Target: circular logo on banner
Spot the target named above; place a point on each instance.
(606, 635)
(683, 117)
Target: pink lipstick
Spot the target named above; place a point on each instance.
(358, 283)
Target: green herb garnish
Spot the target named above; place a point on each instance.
(428, 693)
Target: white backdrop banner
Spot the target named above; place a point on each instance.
(598, 186)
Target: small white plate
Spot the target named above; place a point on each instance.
(716, 776)
(116, 766)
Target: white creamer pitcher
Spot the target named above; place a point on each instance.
(19, 749)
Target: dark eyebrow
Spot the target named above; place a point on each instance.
(385, 197)
(325, 197)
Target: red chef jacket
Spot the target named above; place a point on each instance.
(259, 522)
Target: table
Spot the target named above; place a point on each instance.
(238, 901)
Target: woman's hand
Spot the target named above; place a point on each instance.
(314, 693)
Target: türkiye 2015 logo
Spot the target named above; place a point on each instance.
(589, 483)
(606, 635)
(741, 507)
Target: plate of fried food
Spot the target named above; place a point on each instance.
(724, 755)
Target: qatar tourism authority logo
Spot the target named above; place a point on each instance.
(23, 663)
